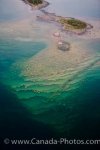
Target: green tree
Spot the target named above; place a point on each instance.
(36, 2)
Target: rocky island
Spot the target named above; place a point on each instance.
(73, 24)
(36, 2)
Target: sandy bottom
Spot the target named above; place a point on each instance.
(46, 79)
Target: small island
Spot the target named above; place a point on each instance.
(36, 2)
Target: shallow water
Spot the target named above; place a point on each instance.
(54, 89)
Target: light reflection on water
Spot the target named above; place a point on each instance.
(75, 8)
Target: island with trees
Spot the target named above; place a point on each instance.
(36, 2)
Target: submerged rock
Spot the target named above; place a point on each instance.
(63, 45)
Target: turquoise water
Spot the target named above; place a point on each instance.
(65, 104)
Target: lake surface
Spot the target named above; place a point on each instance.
(43, 95)
(75, 8)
